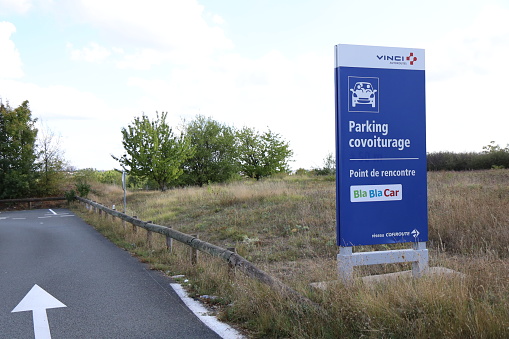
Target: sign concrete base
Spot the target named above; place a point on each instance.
(347, 260)
(391, 277)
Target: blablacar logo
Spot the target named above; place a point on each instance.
(372, 193)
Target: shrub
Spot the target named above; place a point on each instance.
(83, 188)
(70, 196)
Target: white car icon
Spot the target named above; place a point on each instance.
(363, 93)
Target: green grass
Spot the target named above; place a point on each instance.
(287, 228)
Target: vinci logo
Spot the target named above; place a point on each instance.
(398, 59)
(369, 193)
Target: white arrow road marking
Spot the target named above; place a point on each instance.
(55, 213)
(38, 300)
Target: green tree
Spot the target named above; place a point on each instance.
(494, 148)
(3, 149)
(112, 177)
(496, 156)
(152, 151)
(52, 163)
(329, 166)
(214, 158)
(18, 154)
(262, 155)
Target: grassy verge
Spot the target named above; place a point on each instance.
(287, 228)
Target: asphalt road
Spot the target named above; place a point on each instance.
(107, 293)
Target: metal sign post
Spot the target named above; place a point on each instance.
(381, 155)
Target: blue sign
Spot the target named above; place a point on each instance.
(381, 145)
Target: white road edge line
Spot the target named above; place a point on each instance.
(222, 329)
(54, 213)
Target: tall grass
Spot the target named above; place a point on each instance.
(468, 212)
(287, 227)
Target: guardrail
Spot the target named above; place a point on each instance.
(233, 259)
(30, 200)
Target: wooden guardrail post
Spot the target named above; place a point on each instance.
(194, 252)
(169, 242)
(149, 237)
(231, 267)
(134, 226)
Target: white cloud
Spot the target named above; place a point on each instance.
(467, 85)
(88, 126)
(142, 60)
(217, 19)
(480, 47)
(10, 61)
(169, 26)
(91, 53)
(15, 6)
(57, 102)
(150, 32)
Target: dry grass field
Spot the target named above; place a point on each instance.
(286, 226)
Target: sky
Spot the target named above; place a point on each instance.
(89, 67)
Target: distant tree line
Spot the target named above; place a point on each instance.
(492, 156)
(30, 166)
(328, 168)
(205, 151)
